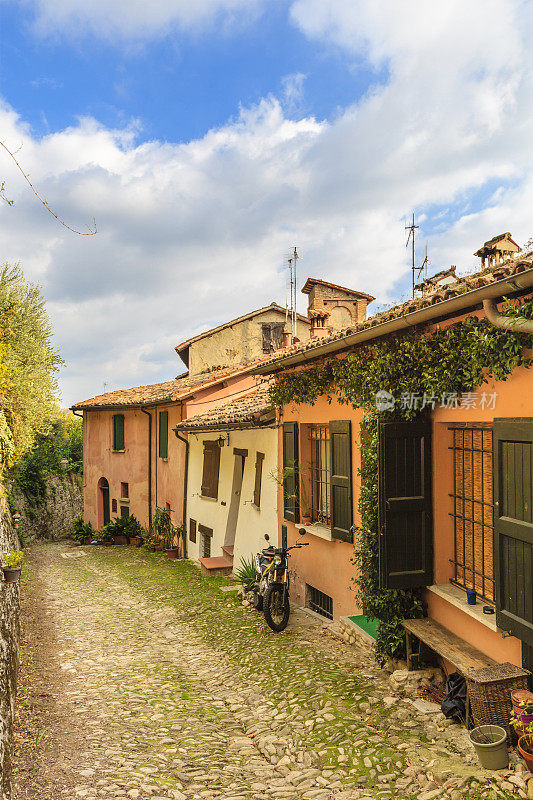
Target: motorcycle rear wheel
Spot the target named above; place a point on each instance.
(275, 609)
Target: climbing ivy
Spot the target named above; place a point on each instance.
(439, 363)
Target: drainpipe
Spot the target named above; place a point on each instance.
(518, 325)
(185, 484)
(149, 466)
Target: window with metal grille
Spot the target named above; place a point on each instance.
(320, 473)
(319, 602)
(473, 509)
(124, 490)
(206, 546)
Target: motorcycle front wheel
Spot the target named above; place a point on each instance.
(276, 607)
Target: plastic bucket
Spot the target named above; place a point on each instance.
(490, 743)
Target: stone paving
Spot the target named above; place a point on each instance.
(181, 693)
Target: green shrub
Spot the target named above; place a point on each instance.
(246, 573)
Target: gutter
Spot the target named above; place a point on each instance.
(149, 466)
(517, 325)
(507, 286)
(185, 485)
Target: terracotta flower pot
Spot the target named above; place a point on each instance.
(523, 743)
(12, 574)
(172, 552)
(136, 541)
(120, 539)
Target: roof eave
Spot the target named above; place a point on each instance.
(461, 302)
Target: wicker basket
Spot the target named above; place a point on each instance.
(489, 692)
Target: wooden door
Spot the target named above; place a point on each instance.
(405, 513)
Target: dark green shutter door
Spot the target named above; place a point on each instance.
(405, 512)
(105, 504)
(118, 432)
(513, 526)
(291, 487)
(163, 434)
(341, 480)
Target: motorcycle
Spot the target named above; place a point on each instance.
(271, 588)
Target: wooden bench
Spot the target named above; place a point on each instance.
(478, 669)
(446, 644)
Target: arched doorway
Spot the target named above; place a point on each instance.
(340, 317)
(104, 514)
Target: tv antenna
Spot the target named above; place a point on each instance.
(292, 271)
(411, 238)
(423, 268)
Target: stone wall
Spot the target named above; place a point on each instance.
(9, 638)
(54, 519)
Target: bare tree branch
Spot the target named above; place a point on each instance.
(90, 231)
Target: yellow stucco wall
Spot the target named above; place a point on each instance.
(253, 522)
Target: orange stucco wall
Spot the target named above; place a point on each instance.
(325, 565)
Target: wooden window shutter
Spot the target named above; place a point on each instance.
(405, 512)
(341, 480)
(266, 337)
(211, 469)
(192, 530)
(291, 483)
(163, 434)
(513, 526)
(277, 335)
(118, 431)
(259, 458)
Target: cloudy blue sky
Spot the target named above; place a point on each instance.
(208, 138)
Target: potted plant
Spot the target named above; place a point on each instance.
(166, 532)
(13, 566)
(523, 725)
(82, 532)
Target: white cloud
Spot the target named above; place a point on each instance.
(193, 234)
(138, 19)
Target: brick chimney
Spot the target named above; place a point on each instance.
(333, 307)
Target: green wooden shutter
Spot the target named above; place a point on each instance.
(163, 434)
(341, 480)
(405, 512)
(513, 526)
(118, 432)
(291, 483)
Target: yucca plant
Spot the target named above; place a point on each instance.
(246, 573)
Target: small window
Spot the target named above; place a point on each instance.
(320, 472)
(259, 458)
(163, 434)
(319, 602)
(114, 506)
(272, 335)
(211, 469)
(124, 490)
(206, 535)
(118, 431)
(124, 512)
(192, 530)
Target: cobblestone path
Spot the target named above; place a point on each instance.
(166, 688)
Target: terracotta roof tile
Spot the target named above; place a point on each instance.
(477, 279)
(168, 391)
(244, 411)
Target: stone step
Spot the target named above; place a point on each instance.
(216, 565)
(228, 550)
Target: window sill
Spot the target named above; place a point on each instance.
(124, 500)
(163, 459)
(211, 499)
(319, 530)
(457, 597)
(118, 451)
